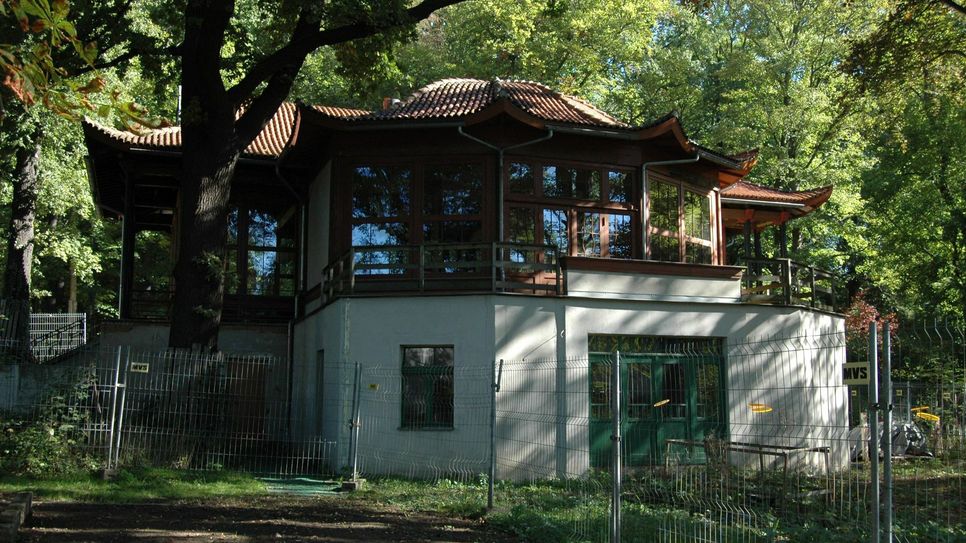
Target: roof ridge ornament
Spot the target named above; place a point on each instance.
(499, 89)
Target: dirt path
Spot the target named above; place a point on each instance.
(256, 520)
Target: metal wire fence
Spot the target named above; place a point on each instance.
(720, 439)
(123, 407)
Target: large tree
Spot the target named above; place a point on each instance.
(213, 136)
(913, 67)
(49, 67)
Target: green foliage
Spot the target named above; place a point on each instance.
(49, 443)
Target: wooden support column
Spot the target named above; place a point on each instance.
(783, 234)
(749, 215)
(128, 236)
(757, 244)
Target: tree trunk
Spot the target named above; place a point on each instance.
(20, 237)
(199, 271)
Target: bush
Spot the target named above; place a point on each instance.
(42, 448)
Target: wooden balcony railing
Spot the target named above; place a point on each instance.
(156, 305)
(455, 267)
(786, 282)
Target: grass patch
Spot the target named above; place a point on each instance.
(542, 512)
(138, 485)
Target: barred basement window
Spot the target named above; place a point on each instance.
(427, 387)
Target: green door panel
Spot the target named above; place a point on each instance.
(664, 396)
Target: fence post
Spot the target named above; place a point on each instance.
(874, 428)
(120, 415)
(110, 430)
(494, 388)
(887, 428)
(354, 424)
(615, 408)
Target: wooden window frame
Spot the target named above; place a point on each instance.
(435, 372)
(242, 247)
(683, 238)
(603, 206)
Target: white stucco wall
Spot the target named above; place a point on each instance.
(650, 287)
(543, 406)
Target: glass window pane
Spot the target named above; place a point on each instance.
(620, 187)
(427, 387)
(453, 189)
(367, 235)
(664, 206)
(564, 182)
(709, 390)
(233, 226)
(639, 395)
(521, 178)
(619, 236)
(263, 272)
(453, 232)
(665, 248)
(555, 229)
(697, 215)
(673, 391)
(588, 234)
(425, 357)
(523, 225)
(231, 271)
(600, 378)
(380, 191)
(262, 228)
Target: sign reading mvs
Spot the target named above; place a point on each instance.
(855, 373)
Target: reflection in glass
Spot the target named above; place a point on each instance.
(380, 191)
(521, 178)
(453, 189)
(619, 236)
(565, 182)
(555, 229)
(427, 387)
(619, 187)
(588, 234)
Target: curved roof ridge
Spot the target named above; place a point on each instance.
(270, 141)
(746, 190)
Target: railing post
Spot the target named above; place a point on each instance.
(811, 278)
(493, 267)
(787, 280)
(352, 271)
(422, 267)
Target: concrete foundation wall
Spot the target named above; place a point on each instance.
(541, 405)
(265, 339)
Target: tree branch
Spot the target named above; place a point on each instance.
(299, 47)
(954, 6)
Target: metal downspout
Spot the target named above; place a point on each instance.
(645, 200)
(499, 175)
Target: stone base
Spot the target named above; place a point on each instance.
(351, 485)
(14, 512)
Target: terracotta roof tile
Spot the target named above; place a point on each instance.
(269, 143)
(749, 191)
(452, 98)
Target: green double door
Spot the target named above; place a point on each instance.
(663, 396)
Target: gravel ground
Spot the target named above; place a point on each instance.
(280, 518)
